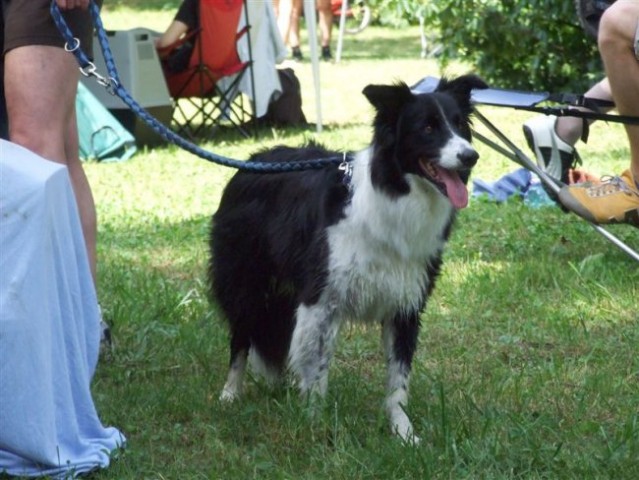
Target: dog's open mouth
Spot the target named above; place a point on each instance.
(447, 181)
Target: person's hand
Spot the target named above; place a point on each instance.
(70, 4)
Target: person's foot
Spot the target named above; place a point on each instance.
(554, 156)
(615, 200)
(296, 52)
(326, 53)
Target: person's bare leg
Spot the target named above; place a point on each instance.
(294, 31)
(40, 87)
(617, 32)
(325, 15)
(570, 129)
(617, 200)
(83, 194)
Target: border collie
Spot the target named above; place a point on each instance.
(294, 255)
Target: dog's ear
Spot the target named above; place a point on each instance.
(389, 101)
(461, 88)
(388, 98)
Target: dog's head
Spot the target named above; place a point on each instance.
(426, 135)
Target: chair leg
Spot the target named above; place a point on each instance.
(202, 116)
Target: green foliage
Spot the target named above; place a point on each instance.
(532, 44)
(397, 13)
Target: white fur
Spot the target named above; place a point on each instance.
(397, 391)
(378, 259)
(379, 251)
(455, 145)
(378, 254)
(234, 381)
(312, 346)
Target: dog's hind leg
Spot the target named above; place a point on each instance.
(312, 347)
(235, 379)
(400, 342)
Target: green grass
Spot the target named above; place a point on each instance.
(527, 365)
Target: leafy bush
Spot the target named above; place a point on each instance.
(522, 44)
(396, 13)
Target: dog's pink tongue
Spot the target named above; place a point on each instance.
(455, 188)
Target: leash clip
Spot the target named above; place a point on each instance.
(347, 167)
(90, 70)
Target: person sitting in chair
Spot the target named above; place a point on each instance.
(184, 24)
(615, 200)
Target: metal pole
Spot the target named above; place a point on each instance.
(310, 15)
(518, 156)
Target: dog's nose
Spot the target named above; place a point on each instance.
(468, 157)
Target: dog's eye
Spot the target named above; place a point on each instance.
(428, 129)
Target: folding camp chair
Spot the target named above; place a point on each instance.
(530, 101)
(203, 102)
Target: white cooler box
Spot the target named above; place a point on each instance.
(140, 72)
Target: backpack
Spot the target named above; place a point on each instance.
(286, 110)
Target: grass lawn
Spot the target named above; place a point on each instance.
(527, 365)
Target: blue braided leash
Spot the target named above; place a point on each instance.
(114, 86)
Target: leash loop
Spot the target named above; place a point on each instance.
(113, 83)
(74, 48)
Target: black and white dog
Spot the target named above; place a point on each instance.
(294, 255)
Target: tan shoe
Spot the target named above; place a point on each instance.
(615, 200)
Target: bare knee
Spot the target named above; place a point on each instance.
(617, 27)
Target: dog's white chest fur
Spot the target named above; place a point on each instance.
(380, 251)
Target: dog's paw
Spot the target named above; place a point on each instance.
(402, 428)
(229, 395)
(410, 439)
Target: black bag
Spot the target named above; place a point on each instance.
(178, 59)
(287, 109)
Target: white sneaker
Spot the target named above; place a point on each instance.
(554, 156)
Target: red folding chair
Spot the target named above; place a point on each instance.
(207, 93)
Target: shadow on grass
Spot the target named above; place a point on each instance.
(265, 136)
(377, 44)
(158, 5)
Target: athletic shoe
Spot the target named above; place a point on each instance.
(615, 200)
(554, 156)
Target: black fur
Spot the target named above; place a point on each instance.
(284, 245)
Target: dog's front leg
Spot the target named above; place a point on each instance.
(237, 367)
(312, 347)
(400, 342)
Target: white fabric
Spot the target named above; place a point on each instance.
(311, 22)
(342, 27)
(267, 48)
(49, 326)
